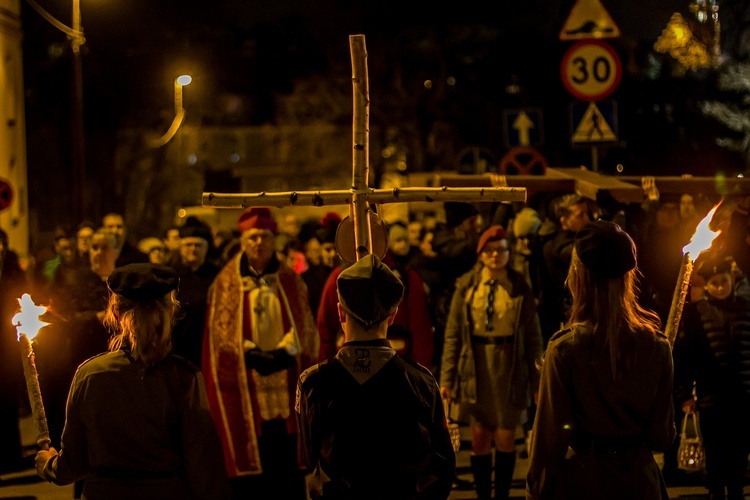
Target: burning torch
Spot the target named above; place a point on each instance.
(700, 242)
(27, 325)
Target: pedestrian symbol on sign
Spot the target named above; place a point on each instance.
(593, 127)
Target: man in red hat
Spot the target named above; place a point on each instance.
(260, 335)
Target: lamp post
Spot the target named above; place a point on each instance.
(179, 112)
(179, 82)
(78, 163)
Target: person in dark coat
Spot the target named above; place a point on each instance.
(126, 253)
(13, 284)
(606, 383)
(372, 423)
(571, 213)
(138, 423)
(196, 275)
(712, 354)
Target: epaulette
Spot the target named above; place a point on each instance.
(560, 333)
(312, 371)
(418, 366)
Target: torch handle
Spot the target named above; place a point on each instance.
(35, 394)
(678, 299)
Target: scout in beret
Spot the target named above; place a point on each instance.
(360, 440)
(369, 292)
(592, 395)
(139, 409)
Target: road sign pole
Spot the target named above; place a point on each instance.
(595, 159)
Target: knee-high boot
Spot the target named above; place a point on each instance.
(481, 468)
(505, 463)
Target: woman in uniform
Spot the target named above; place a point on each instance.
(493, 343)
(137, 422)
(605, 398)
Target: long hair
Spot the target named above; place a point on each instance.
(610, 309)
(144, 326)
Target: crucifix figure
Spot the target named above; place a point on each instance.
(360, 196)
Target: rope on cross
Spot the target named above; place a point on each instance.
(361, 196)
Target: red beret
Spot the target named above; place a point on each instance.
(492, 233)
(256, 218)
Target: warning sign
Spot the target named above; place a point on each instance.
(6, 194)
(594, 126)
(588, 19)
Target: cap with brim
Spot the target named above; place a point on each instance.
(369, 291)
(605, 249)
(143, 282)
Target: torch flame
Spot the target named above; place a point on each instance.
(703, 236)
(27, 320)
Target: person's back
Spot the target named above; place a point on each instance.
(605, 397)
(383, 422)
(137, 422)
(603, 406)
(133, 443)
(372, 422)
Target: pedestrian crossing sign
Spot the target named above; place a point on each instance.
(594, 122)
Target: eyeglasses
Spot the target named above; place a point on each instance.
(498, 250)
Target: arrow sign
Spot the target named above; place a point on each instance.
(522, 127)
(523, 124)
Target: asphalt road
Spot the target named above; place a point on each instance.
(26, 485)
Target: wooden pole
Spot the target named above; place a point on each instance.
(361, 196)
(361, 145)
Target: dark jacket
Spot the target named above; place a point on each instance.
(612, 426)
(713, 351)
(379, 436)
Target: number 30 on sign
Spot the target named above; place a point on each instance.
(591, 70)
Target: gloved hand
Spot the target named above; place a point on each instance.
(268, 362)
(40, 462)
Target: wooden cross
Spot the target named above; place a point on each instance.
(360, 196)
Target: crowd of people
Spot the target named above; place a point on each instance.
(546, 315)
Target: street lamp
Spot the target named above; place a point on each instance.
(179, 112)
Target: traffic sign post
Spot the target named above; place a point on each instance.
(591, 70)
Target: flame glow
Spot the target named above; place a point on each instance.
(703, 236)
(27, 320)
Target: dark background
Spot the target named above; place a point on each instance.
(244, 54)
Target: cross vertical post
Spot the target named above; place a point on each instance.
(360, 195)
(360, 146)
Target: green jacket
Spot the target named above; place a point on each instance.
(458, 369)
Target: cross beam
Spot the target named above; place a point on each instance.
(360, 196)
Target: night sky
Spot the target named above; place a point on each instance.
(247, 52)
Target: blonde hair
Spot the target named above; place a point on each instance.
(610, 308)
(144, 326)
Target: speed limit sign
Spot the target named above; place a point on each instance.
(591, 70)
